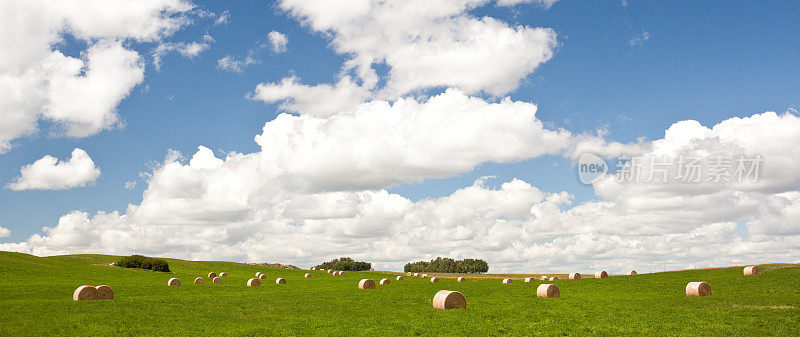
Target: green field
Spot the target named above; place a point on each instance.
(36, 299)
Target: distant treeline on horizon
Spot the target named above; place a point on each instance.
(448, 265)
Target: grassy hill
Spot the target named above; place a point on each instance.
(36, 299)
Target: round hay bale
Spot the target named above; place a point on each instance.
(507, 280)
(313, 268)
(752, 271)
(104, 292)
(262, 277)
(253, 282)
(223, 274)
(217, 280)
(85, 293)
(408, 274)
(341, 273)
(258, 274)
(212, 275)
(366, 284)
(424, 275)
(174, 282)
(434, 280)
(280, 280)
(547, 290)
(384, 281)
(460, 279)
(447, 299)
(330, 271)
(307, 275)
(632, 272)
(528, 279)
(543, 278)
(199, 280)
(399, 278)
(575, 276)
(600, 274)
(553, 278)
(698, 289)
(416, 274)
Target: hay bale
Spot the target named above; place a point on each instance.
(507, 280)
(341, 272)
(575, 276)
(384, 281)
(553, 278)
(366, 284)
(174, 282)
(199, 280)
(600, 274)
(212, 275)
(262, 276)
(698, 289)
(307, 275)
(104, 292)
(460, 279)
(434, 280)
(424, 275)
(416, 274)
(223, 274)
(632, 272)
(313, 268)
(751, 271)
(258, 274)
(528, 279)
(253, 282)
(399, 278)
(330, 271)
(280, 280)
(447, 299)
(85, 293)
(408, 274)
(217, 280)
(547, 290)
(543, 278)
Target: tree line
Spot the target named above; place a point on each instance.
(346, 264)
(448, 265)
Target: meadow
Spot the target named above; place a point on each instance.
(36, 299)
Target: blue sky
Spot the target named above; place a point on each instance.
(630, 69)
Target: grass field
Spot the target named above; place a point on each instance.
(36, 299)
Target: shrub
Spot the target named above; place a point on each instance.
(346, 264)
(143, 262)
(448, 265)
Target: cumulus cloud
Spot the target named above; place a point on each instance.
(277, 41)
(4, 232)
(236, 64)
(424, 44)
(77, 94)
(49, 173)
(190, 50)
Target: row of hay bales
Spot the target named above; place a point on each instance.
(90, 293)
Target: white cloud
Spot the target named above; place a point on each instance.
(78, 95)
(278, 41)
(50, 174)
(190, 50)
(4, 232)
(129, 185)
(318, 100)
(223, 18)
(639, 40)
(316, 191)
(425, 45)
(545, 3)
(236, 64)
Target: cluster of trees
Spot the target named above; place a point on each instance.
(143, 262)
(346, 264)
(448, 265)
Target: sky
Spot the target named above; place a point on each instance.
(297, 131)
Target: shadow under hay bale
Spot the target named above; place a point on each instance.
(448, 299)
